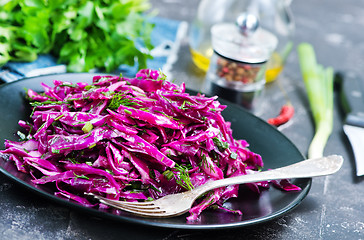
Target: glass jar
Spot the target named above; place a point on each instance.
(277, 17)
(238, 64)
(209, 13)
(274, 16)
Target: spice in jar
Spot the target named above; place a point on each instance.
(234, 71)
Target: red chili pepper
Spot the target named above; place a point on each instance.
(286, 113)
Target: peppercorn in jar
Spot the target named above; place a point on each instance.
(237, 66)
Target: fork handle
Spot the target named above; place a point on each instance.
(308, 168)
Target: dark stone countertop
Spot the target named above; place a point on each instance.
(333, 208)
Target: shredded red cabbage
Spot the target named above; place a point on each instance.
(131, 139)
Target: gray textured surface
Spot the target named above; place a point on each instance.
(332, 210)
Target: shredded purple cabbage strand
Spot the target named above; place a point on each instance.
(132, 139)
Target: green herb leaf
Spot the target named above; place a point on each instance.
(119, 99)
(181, 176)
(127, 111)
(81, 176)
(82, 34)
(221, 145)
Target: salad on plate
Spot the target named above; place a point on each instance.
(131, 139)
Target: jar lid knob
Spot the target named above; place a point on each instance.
(247, 23)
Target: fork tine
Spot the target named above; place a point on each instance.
(155, 209)
(150, 207)
(143, 209)
(141, 205)
(134, 211)
(137, 210)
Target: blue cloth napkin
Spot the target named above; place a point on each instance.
(166, 38)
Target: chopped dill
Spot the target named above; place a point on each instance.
(205, 164)
(81, 176)
(59, 117)
(221, 145)
(181, 176)
(128, 111)
(119, 99)
(36, 103)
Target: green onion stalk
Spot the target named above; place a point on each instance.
(318, 82)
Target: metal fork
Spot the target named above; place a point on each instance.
(177, 204)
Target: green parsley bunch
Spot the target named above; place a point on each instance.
(83, 34)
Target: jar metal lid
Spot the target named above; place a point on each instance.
(230, 43)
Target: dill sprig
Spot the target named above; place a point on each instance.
(119, 99)
(181, 176)
(221, 145)
(205, 164)
(36, 103)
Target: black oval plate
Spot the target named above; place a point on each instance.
(274, 147)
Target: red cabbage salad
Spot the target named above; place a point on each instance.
(131, 139)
